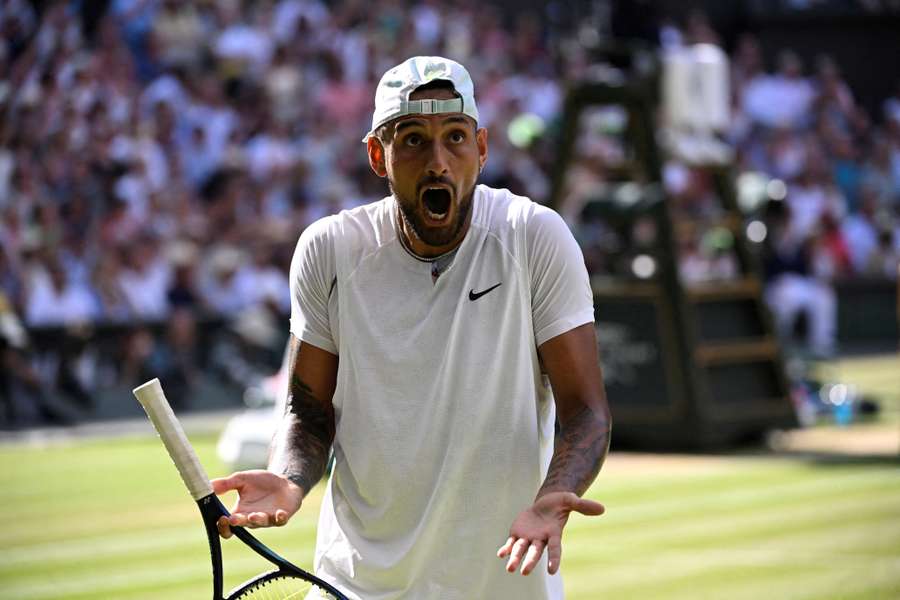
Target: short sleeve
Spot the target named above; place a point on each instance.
(561, 297)
(313, 275)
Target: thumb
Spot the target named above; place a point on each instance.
(588, 507)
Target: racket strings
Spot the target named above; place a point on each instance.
(285, 588)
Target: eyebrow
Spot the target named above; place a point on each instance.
(407, 123)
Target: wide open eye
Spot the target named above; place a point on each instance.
(412, 140)
(457, 136)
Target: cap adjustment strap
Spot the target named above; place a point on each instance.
(432, 107)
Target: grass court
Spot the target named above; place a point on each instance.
(818, 519)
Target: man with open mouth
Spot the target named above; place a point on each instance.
(427, 332)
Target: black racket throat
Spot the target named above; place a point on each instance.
(212, 509)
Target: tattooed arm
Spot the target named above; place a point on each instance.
(579, 449)
(300, 448)
(582, 439)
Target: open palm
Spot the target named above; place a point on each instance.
(540, 526)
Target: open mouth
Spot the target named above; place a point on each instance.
(437, 203)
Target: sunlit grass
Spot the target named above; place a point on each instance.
(110, 519)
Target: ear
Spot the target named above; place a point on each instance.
(481, 138)
(376, 156)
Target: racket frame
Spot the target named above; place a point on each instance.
(195, 479)
(211, 508)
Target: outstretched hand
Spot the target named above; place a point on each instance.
(540, 526)
(264, 500)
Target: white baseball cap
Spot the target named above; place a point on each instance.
(392, 95)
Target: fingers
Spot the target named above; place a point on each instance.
(522, 552)
(263, 519)
(532, 557)
(518, 551)
(554, 554)
(542, 525)
(251, 520)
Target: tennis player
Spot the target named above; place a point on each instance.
(427, 332)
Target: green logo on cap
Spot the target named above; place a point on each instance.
(434, 70)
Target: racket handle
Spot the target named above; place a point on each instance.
(152, 398)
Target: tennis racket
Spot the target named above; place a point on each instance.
(285, 581)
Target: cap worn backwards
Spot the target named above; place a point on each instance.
(392, 95)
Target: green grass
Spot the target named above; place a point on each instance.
(110, 519)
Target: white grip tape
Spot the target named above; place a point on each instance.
(152, 398)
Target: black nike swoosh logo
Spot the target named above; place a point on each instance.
(475, 296)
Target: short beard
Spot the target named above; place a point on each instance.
(415, 225)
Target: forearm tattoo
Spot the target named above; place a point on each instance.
(579, 450)
(300, 450)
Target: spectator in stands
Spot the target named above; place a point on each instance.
(747, 64)
(180, 33)
(884, 261)
(781, 100)
(107, 284)
(21, 389)
(137, 348)
(145, 280)
(118, 226)
(249, 349)
(10, 285)
(182, 292)
(787, 154)
(793, 287)
(29, 396)
(813, 195)
(846, 169)
(53, 299)
(260, 280)
(197, 156)
(834, 101)
(830, 254)
(881, 173)
(219, 285)
(174, 358)
(860, 230)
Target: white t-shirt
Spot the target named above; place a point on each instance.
(445, 422)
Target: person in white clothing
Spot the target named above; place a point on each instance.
(427, 332)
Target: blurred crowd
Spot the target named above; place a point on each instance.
(159, 158)
(819, 190)
(834, 212)
(167, 154)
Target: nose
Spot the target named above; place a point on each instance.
(437, 164)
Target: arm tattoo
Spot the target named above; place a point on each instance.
(301, 446)
(579, 450)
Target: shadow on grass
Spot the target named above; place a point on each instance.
(837, 459)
